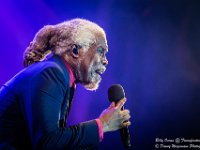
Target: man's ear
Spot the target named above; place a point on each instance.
(75, 51)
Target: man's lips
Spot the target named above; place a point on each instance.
(100, 71)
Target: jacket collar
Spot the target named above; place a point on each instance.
(64, 66)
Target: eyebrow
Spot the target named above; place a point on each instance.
(104, 47)
(105, 50)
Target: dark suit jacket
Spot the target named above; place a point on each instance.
(33, 107)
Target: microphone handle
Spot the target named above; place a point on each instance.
(125, 136)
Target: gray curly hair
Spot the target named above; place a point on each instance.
(59, 38)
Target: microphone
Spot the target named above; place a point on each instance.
(115, 93)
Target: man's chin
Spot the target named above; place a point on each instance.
(92, 86)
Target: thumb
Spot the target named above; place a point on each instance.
(112, 105)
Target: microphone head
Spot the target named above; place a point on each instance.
(115, 93)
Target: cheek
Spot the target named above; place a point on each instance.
(93, 63)
(89, 66)
(91, 69)
(96, 61)
(86, 70)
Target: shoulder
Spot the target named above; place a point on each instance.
(50, 70)
(40, 73)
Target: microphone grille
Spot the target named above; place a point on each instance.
(115, 93)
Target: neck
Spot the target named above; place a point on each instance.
(71, 71)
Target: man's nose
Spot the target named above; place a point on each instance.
(105, 62)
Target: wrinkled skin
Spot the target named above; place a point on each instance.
(92, 64)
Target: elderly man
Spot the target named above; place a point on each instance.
(34, 104)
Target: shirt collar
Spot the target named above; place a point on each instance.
(71, 75)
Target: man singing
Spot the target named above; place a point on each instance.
(35, 103)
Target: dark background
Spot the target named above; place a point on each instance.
(154, 53)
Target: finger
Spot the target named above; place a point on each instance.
(124, 112)
(120, 103)
(125, 118)
(112, 105)
(126, 124)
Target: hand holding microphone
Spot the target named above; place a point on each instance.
(115, 116)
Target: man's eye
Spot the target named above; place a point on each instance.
(101, 51)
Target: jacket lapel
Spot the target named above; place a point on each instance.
(68, 99)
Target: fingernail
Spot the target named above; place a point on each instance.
(123, 101)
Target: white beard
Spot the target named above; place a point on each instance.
(93, 79)
(94, 85)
